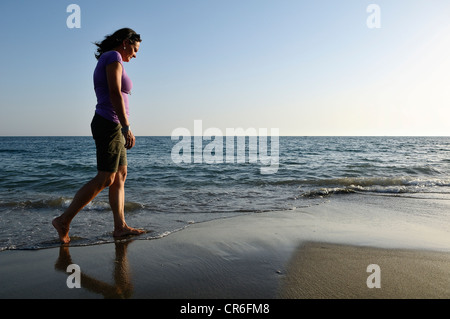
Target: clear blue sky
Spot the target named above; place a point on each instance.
(304, 67)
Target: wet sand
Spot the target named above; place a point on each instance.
(324, 270)
(277, 255)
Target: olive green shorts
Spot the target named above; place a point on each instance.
(110, 144)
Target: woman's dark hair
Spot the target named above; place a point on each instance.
(112, 41)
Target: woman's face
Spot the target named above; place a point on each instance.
(130, 51)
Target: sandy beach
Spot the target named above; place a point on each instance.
(277, 255)
(322, 270)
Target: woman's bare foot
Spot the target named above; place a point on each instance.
(62, 230)
(127, 231)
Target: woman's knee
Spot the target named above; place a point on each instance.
(106, 179)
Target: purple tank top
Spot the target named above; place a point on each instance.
(104, 106)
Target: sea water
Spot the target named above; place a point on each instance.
(40, 176)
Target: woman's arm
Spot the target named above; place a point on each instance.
(114, 77)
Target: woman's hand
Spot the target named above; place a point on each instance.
(130, 140)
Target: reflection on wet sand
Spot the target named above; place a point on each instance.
(122, 287)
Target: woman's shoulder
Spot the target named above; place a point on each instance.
(110, 57)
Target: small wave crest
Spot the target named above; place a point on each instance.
(63, 203)
(387, 185)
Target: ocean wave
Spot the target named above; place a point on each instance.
(387, 185)
(64, 202)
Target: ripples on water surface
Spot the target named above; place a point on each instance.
(40, 176)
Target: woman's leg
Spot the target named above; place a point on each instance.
(117, 202)
(83, 197)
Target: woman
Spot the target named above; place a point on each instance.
(111, 132)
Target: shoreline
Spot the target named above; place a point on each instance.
(278, 255)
